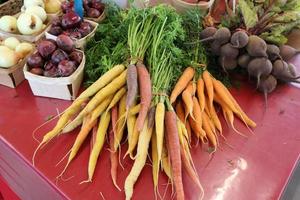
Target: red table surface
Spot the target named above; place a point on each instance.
(257, 167)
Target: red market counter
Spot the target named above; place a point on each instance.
(257, 167)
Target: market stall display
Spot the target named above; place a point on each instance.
(156, 80)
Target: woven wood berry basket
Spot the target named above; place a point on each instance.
(11, 7)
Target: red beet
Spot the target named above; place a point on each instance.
(94, 13)
(56, 21)
(55, 30)
(67, 33)
(52, 72)
(35, 60)
(98, 5)
(58, 55)
(65, 43)
(85, 28)
(49, 65)
(66, 67)
(87, 4)
(46, 48)
(37, 71)
(76, 56)
(75, 34)
(70, 20)
(67, 6)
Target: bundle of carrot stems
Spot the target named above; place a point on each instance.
(155, 100)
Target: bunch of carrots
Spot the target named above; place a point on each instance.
(197, 110)
(139, 97)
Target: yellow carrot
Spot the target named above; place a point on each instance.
(117, 98)
(100, 139)
(155, 164)
(108, 90)
(140, 161)
(121, 122)
(133, 135)
(166, 165)
(95, 114)
(102, 81)
(135, 109)
(63, 120)
(159, 128)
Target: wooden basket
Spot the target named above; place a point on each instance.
(28, 38)
(98, 19)
(11, 7)
(13, 76)
(182, 6)
(61, 87)
(78, 43)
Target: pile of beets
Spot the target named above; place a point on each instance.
(92, 8)
(55, 59)
(267, 63)
(71, 25)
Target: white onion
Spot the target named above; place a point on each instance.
(38, 11)
(23, 49)
(29, 24)
(29, 3)
(8, 57)
(11, 42)
(8, 24)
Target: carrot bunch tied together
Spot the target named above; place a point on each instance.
(196, 105)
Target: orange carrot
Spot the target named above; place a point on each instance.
(209, 87)
(215, 118)
(174, 152)
(113, 152)
(85, 129)
(182, 83)
(145, 94)
(180, 113)
(210, 135)
(198, 117)
(188, 167)
(200, 93)
(238, 110)
(187, 97)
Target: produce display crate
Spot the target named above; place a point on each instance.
(80, 44)
(28, 38)
(183, 6)
(11, 7)
(61, 87)
(98, 19)
(13, 76)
